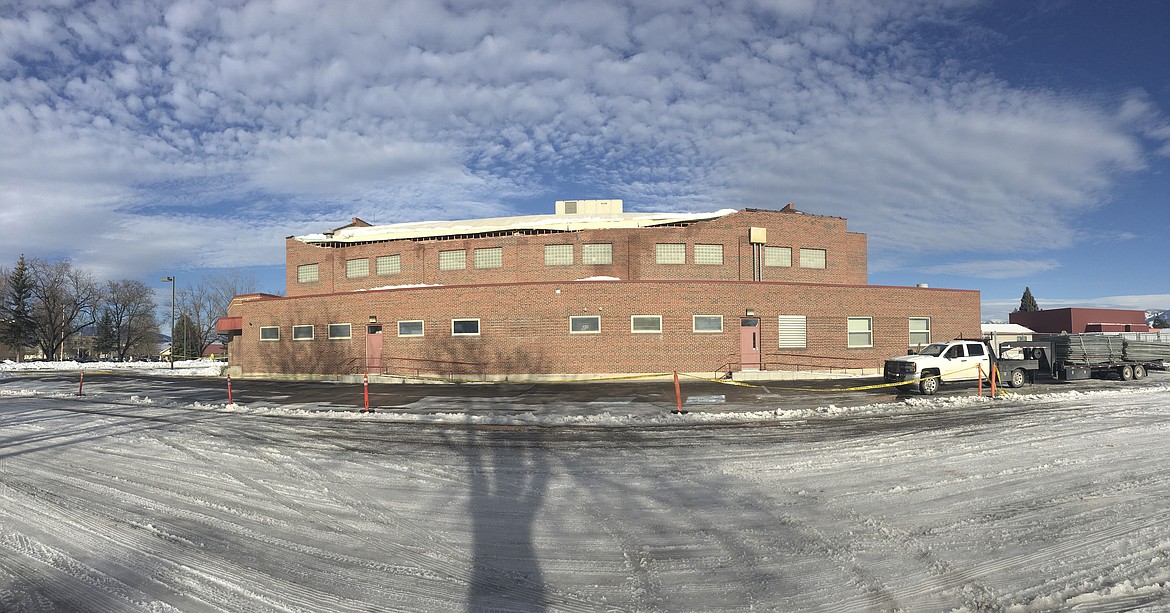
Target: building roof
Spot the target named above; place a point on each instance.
(547, 223)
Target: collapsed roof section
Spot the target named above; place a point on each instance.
(433, 230)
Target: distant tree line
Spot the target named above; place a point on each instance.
(44, 304)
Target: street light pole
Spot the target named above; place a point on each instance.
(171, 280)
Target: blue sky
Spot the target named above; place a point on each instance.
(986, 145)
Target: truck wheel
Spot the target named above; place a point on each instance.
(1139, 371)
(1018, 378)
(928, 386)
(1126, 372)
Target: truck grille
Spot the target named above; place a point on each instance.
(897, 367)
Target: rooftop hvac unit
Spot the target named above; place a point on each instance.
(589, 207)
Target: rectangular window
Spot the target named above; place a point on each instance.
(388, 265)
(709, 254)
(412, 327)
(339, 331)
(357, 268)
(558, 255)
(302, 333)
(489, 257)
(708, 323)
(307, 273)
(778, 256)
(670, 253)
(645, 324)
(812, 258)
(793, 332)
(589, 324)
(919, 331)
(456, 259)
(464, 327)
(860, 332)
(269, 333)
(597, 253)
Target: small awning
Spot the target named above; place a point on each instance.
(229, 325)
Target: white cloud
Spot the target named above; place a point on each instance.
(994, 269)
(278, 114)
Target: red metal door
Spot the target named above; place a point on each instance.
(374, 348)
(749, 343)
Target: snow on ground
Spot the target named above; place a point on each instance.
(187, 368)
(1047, 502)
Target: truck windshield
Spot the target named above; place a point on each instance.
(933, 349)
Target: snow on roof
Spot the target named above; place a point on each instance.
(1005, 329)
(558, 223)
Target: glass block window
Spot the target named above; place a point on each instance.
(597, 253)
(709, 254)
(919, 331)
(645, 324)
(589, 324)
(812, 258)
(860, 332)
(412, 327)
(302, 333)
(489, 257)
(793, 332)
(456, 259)
(778, 256)
(558, 255)
(339, 331)
(670, 253)
(307, 273)
(708, 323)
(464, 327)
(388, 264)
(357, 268)
(269, 333)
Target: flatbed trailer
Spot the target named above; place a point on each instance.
(1070, 358)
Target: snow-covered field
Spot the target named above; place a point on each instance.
(189, 368)
(131, 502)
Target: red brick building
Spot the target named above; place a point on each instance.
(1080, 320)
(588, 290)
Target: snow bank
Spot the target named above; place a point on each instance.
(185, 368)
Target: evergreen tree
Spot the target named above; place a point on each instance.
(19, 329)
(188, 342)
(106, 339)
(1027, 302)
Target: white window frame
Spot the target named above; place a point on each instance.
(575, 318)
(814, 258)
(792, 332)
(597, 254)
(348, 333)
(634, 329)
(388, 265)
(447, 259)
(695, 324)
(357, 268)
(477, 326)
(670, 253)
(851, 329)
(709, 254)
(554, 255)
(778, 257)
(488, 257)
(312, 332)
(308, 273)
(269, 340)
(910, 326)
(422, 327)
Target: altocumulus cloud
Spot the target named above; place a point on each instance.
(155, 118)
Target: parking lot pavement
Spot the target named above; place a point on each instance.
(570, 398)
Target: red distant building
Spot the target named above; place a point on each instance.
(1077, 320)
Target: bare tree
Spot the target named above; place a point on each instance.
(205, 302)
(64, 301)
(127, 322)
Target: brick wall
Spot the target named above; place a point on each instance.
(633, 255)
(524, 327)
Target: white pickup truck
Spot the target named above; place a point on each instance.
(958, 360)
